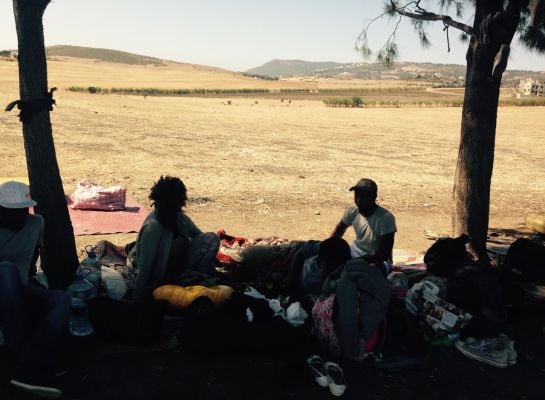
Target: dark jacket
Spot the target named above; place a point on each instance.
(357, 286)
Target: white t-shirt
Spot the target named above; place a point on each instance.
(369, 229)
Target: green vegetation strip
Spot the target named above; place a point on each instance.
(161, 92)
(182, 92)
(343, 102)
(402, 100)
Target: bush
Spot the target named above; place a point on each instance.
(350, 102)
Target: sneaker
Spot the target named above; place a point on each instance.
(510, 347)
(489, 351)
(38, 387)
(317, 367)
(337, 383)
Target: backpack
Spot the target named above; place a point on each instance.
(526, 258)
(446, 255)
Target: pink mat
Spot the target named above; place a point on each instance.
(91, 222)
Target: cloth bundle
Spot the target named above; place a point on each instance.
(91, 196)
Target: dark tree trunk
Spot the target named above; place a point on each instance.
(486, 61)
(59, 258)
(476, 152)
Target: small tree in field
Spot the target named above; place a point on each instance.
(59, 258)
(495, 23)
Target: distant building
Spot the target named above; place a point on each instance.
(530, 87)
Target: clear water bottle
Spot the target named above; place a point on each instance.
(90, 268)
(80, 291)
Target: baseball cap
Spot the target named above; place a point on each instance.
(15, 195)
(365, 184)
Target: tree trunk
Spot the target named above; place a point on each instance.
(59, 258)
(476, 152)
(486, 57)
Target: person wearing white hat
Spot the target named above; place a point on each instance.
(33, 318)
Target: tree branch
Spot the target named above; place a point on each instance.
(429, 16)
(537, 12)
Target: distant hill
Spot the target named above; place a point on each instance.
(276, 68)
(440, 74)
(107, 55)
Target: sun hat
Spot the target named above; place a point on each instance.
(15, 195)
(365, 184)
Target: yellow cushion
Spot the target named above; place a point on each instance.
(182, 297)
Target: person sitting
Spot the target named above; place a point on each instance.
(374, 226)
(169, 242)
(34, 319)
(314, 261)
(348, 315)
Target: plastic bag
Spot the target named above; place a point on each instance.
(91, 196)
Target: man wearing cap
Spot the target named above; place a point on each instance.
(373, 225)
(34, 319)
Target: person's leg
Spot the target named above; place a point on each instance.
(202, 252)
(40, 348)
(13, 315)
(49, 312)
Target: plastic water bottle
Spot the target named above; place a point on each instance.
(80, 291)
(90, 268)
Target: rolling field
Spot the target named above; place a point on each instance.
(261, 167)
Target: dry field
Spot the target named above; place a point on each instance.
(272, 168)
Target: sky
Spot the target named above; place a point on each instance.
(239, 34)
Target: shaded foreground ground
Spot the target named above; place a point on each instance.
(166, 371)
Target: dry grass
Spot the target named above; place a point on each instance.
(66, 72)
(279, 168)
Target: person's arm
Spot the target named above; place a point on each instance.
(192, 229)
(147, 246)
(384, 249)
(339, 230)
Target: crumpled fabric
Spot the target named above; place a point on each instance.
(295, 314)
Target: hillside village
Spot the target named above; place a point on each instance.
(440, 75)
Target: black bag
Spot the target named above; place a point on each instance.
(213, 330)
(526, 258)
(447, 255)
(127, 321)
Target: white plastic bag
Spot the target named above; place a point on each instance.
(91, 196)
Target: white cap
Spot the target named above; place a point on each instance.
(15, 195)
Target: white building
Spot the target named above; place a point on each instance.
(530, 87)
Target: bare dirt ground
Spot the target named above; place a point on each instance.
(275, 168)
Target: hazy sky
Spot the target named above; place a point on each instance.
(237, 34)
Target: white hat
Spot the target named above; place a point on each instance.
(15, 195)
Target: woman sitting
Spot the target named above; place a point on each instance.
(169, 242)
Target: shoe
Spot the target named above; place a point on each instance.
(337, 383)
(317, 367)
(490, 351)
(510, 347)
(38, 386)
